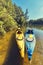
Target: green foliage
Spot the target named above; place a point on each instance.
(19, 15)
(38, 23)
(10, 15)
(8, 22)
(2, 31)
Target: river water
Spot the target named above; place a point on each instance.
(39, 37)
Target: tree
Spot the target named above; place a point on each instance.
(26, 17)
(11, 15)
(5, 15)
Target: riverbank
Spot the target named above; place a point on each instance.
(13, 57)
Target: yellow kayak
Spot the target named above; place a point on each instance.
(20, 42)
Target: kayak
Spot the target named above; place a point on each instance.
(20, 42)
(30, 42)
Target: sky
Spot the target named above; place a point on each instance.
(35, 7)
